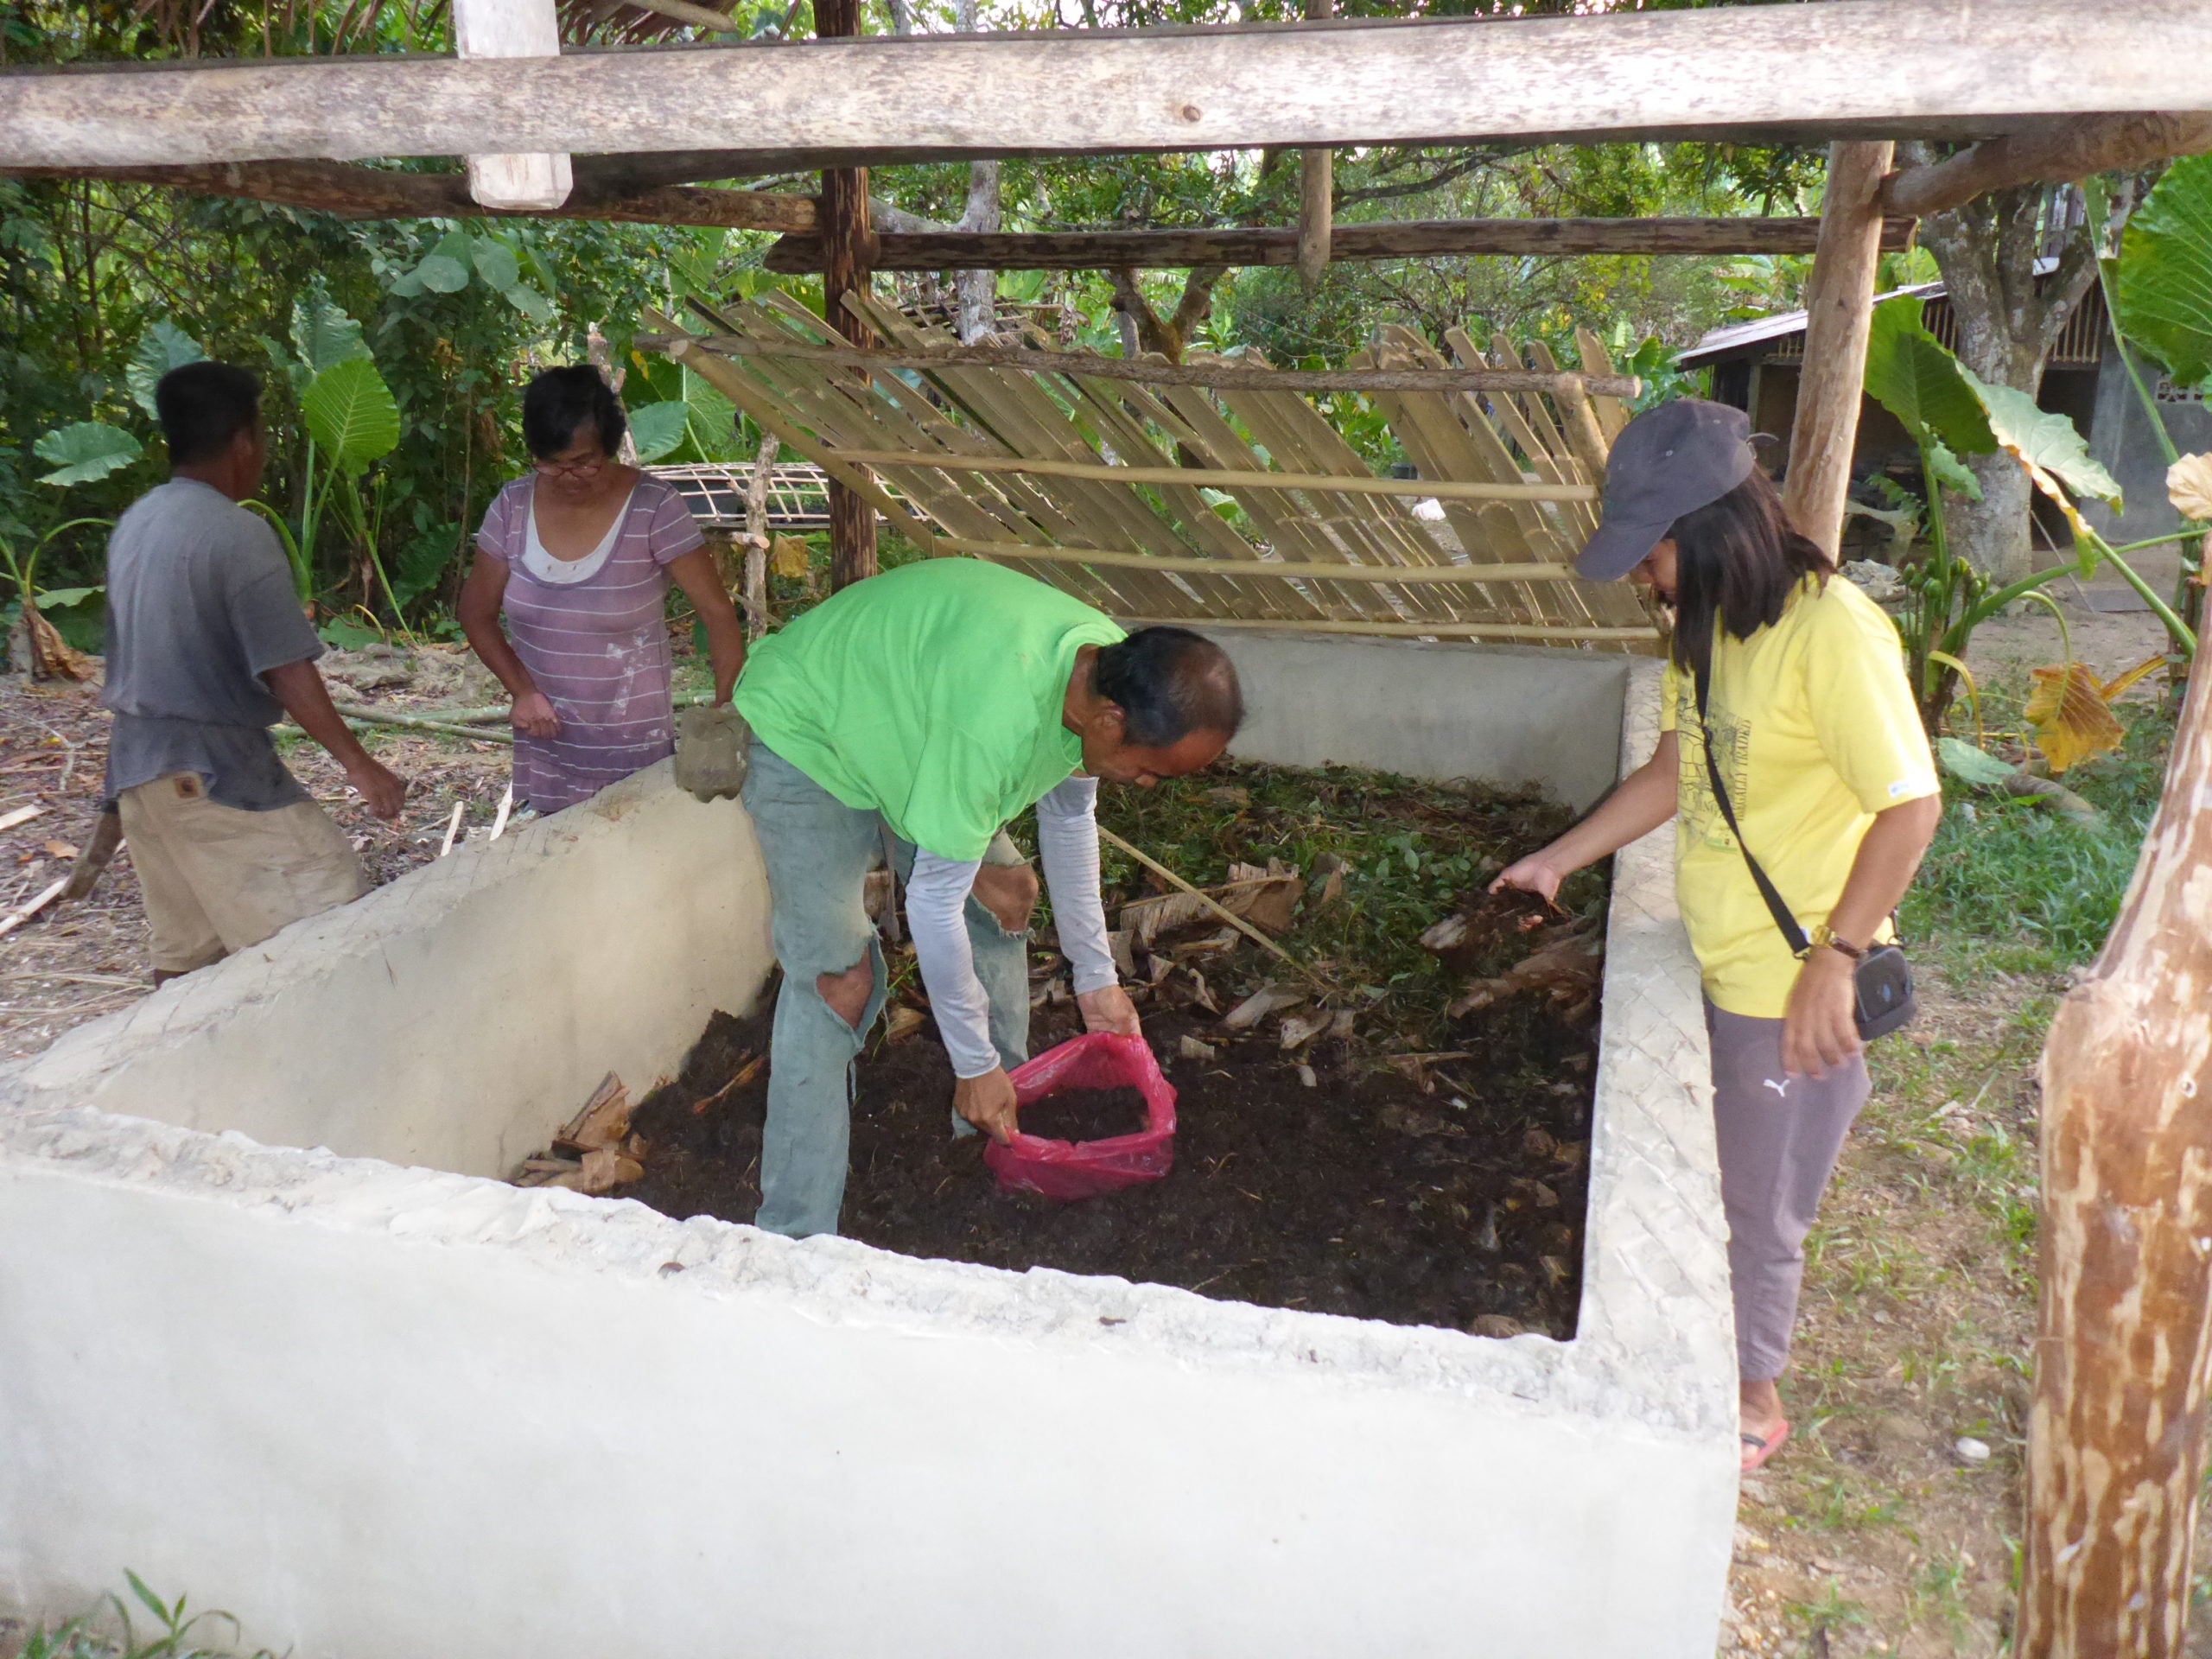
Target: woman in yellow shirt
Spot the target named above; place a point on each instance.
(1822, 754)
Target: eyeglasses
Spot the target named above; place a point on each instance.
(570, 469)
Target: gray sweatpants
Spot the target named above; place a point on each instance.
(818, 852)
(1779, 1137)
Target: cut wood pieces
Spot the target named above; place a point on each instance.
(603, 1123)
(1269, 999)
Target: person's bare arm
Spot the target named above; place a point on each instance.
(1645, 799)
(1820, 1029)
(479, 611)
(299, 687)
(695, 573)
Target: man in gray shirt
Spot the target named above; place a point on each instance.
(208, 648)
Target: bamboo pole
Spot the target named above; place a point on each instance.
(1438, 628)
(1317, 190)
(2116, 1430)
(1838, 313)
(1221, 478)
(1282, 570)
(1225, 914)
(1219, 376)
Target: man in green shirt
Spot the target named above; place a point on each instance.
(939, 701)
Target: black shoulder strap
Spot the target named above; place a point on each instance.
(1793, 935)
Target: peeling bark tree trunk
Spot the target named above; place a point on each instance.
(2007, 322)
(2116, 1432)
(756, 538)
(1168, 336)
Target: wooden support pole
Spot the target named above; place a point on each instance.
(512, 29)
(848, 257)
(1839, 312)
(1317, 191)
(2116, 1429)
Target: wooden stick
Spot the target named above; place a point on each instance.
(698, 17)
(2116, 1430)
(1838, 314)
(1408, 630)
(1178, 250)
(1220, 478)
(1234, 920)
(1285, 569)
(19, 815)
(512, 30)
(847, 260)
(453, 828)
(15, 918)
(1948, 68)
(1224, 376)
(1317, 191)
(2046, 151)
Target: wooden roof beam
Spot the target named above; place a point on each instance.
(1908, 63)
(1405, 239)
(2056, 152)
(353, 191)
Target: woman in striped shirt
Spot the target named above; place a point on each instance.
(579, 555)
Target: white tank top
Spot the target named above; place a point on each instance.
(544, 566)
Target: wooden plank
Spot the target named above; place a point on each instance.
(1217, 478)
(354, 191)
(1508, 631)
(2116, 1426)
(1838, 313)
(1275, 245)
(1157, 373)
(1917, 64)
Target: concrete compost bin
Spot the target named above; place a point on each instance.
(270, 1334)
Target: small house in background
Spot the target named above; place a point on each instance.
(1756, 363)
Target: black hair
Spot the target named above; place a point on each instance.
(202, 406)
(557, 401)
(1169, 682)
(1738, 560)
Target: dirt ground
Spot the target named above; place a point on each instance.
(75, 962)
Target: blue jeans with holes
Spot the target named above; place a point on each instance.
(818, 852)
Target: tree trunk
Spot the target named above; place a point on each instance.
(2116, 1432)
(847, 249)
(975, 293)
(2007, 322)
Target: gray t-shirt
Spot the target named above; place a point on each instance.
(200, 603)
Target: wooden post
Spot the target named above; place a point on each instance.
(512, 29)
(1839, 311)
(756, 538)
(848, 256)
(1317, 189)
(2116, 1431)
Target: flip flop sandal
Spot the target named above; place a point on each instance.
(1757, 1450)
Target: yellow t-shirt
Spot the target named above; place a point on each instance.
(1813, 725)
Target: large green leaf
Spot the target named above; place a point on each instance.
(1913, 376)
(2163, 281)
(714, 420)
(87, 450)
(496, 263)
(351, 414)
(2047, 444)
(531, 303)
(658, 429)
(442, 274)
(161, 349)
(322, 334)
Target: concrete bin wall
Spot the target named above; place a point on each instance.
(381, 1412)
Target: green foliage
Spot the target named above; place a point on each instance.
(2047, 443)
(323, 335)
(174, 1635)
(84, 451)
(163, 346)
(658, 429)
(2161, 293)
(1913, 376)
(351, 414)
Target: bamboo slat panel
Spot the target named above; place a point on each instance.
(1224, 482)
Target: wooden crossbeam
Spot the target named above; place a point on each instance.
(355, 192)
(1406, 239)
(1915, 65)
(1220, 376)
(1221, 478)
(1453, 575)
(1439, 628)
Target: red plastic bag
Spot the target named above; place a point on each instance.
(1083, 1169)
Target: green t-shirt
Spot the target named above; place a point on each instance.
(930, 693)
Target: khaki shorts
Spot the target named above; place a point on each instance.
(217, 879)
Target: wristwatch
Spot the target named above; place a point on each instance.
(1825, 935)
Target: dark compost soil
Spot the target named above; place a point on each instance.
(1361, 1196)
(1085, 1115)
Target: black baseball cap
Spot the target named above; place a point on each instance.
(1669, 460)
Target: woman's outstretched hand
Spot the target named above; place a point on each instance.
(1536, 874)
(533, 715)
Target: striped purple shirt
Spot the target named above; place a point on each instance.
(598, 647)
